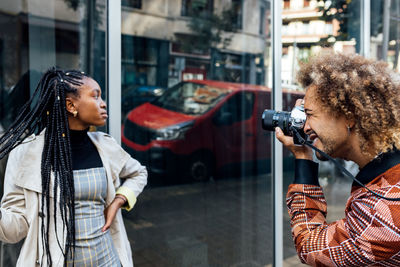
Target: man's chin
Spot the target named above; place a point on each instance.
(320, 157)
(318, 145)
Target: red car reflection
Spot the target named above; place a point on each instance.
(199, 128)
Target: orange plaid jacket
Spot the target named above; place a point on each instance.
(369, 235)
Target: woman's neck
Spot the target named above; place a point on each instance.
(78, 137)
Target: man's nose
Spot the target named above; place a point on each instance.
(307, 127)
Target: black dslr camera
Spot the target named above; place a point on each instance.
(289, 122)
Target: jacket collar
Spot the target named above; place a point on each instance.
(378, 166)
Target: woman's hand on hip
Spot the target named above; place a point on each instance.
(111, 211)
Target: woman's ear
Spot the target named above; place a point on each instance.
(69, 104)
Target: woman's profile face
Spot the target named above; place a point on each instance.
(90, 106)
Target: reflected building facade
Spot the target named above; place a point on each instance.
(303, 28)
(161, 45)
(37, 34)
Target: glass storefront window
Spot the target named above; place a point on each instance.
(41, 34)
(385, 32)
(194, 89)
(311, 27)
(36, 35)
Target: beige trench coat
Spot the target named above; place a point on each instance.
(21, 201)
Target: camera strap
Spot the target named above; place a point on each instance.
(338, 165)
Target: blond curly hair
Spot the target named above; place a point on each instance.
(362, 90)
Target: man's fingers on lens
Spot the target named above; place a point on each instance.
(285, 140)
(278, 132)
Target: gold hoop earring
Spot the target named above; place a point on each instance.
(75, 113)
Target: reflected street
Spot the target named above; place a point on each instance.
(225, 222)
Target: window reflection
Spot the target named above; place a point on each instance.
(195, 7)
(219, 120)
(190, 98)
(385, 32)
(132, 3)
(37, 36)
(201, 139)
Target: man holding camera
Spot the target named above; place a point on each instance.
(352, 107)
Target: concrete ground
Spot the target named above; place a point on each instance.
(227, 222)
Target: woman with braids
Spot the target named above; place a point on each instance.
(62, 188)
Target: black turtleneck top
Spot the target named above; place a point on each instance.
(306, 171)
(84, 152)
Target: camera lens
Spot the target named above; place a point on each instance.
(272, 119)
(267, 120)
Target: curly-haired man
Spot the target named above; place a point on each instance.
(353, 112)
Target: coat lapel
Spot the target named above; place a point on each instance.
(30, 171)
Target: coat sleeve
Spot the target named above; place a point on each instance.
(365, 236)
(134, 178)
(13, 223)
(130, 172)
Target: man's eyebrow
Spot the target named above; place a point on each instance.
(307, 110)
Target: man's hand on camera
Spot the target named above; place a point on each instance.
(299, 151)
